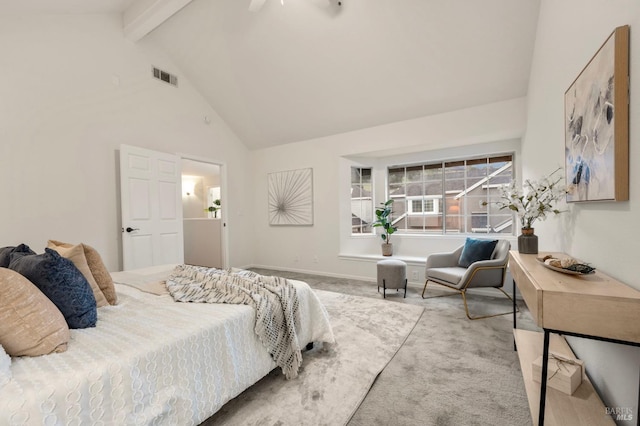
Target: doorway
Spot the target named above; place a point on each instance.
(203, 213)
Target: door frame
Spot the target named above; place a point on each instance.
(224, 249)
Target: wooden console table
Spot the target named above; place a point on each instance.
(592, 306)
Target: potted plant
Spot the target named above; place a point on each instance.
(383, 220)
(214, 208)
(533, 202)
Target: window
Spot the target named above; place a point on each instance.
(423, 205)
(361, 200)
(451, 196)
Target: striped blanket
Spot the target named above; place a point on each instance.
(273, 298)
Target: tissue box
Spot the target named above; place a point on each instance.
(564, 374)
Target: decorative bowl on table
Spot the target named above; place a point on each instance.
(567, 265)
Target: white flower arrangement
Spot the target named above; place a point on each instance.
(535, 201)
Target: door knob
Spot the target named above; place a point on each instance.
(130, 229)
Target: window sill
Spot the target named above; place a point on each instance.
(409, 260)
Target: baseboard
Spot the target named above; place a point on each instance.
(487, 292)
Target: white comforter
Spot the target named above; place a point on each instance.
(150, 360)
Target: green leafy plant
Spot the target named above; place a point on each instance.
(215, 207)
(383, 220)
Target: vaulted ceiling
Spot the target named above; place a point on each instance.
(303, 69)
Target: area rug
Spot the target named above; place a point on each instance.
(334, 379)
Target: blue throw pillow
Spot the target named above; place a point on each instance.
(60, 280)
(5, 253)
(475, 250)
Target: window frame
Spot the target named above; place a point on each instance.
(466, 196)
(424, 199)
(369, 198)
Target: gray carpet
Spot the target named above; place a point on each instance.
(333, 379)
(450, 370)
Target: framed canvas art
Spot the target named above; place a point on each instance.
(597, 125)
(291, 197)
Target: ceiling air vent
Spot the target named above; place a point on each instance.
(165, 76)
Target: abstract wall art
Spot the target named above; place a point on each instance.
(597, 125)
(291, 197)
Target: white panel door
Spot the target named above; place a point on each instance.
(151, 205)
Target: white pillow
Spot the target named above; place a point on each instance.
(5, 367)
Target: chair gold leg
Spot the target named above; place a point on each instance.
(505, 293)
(464, 300)
(440, 295)
(466, 308)
(425, 287)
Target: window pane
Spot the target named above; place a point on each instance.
(398, 208)
(452, 196)
(396, 175)
(501, 223)
(454, 208)
(414, 174)
(455, 186)
(361, 200)
(476, 161)
(355, 175)
(433, 172)
(501, 159)
(396, 190)
(476, 173)
(366, 176)
(500, 174)
(454, 170)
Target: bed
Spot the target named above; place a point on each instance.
(150, 360)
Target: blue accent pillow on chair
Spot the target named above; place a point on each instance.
(60, 280)
(475, 250)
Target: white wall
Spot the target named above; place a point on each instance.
(317, 248)
(202, 242)
(569, 34)
(195, 203)
(72, 89)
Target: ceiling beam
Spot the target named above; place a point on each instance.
(143, 16)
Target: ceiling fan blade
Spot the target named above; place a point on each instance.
(256, 5)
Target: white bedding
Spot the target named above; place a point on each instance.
(150, 360)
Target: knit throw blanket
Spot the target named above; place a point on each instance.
(273, 298)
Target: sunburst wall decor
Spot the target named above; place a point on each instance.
(291, 197)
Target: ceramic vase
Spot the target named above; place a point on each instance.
(528, 241)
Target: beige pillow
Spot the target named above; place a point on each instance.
(101, 274)
(77, 256)
(30, 324)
